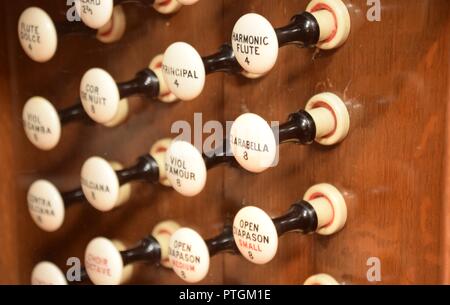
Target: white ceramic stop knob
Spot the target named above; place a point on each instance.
(183, 71)
(164, 93)
(330, 116)
(99, 95)
(167, 6)
(41, 123)
(100, 184)
(253, 143)
(185, 168)
(47, 273)
(189, 255)
(188, 2)
(95, 14)
(255, 235)
(37, 34)
(121, 115)
(103, 262)
(46, 205)
(255, 43)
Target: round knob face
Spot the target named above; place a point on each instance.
(183, 71)
(41, 123)
(255, 235)
(95, 14)
(185, 168)
(46, 273)
(46, 206)
(37, 34)
(253, 143)
(100, 184)
(187, 2)
(103, 262)
(189, 255)
(99, 95)
(255, 43)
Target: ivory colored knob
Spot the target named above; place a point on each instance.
(47, 273)
(162, 232)
(255, 43)
(37, 34)
(338, 111)
(334, 198)
(183, 71)
(341, 21)
(253, 143)
(103, 262)
(115, 28)
(99, 95)
(158, 152)
(321, 279)
(41, 123)
(164, 93)
(46, 205)
(167, 6)
(255, 235)
(95, 14)
(100, 184)
(189, 255)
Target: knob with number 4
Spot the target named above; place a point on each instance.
(325, 24)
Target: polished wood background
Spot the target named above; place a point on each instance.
(392, 74)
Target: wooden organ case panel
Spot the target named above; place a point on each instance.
(392, 167)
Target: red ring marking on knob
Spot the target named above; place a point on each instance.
(158, 65)
(320, 195)
(325, 105)
(322, 6)
(164, 232)
(108, 31)
(164, 3)
(161, 149)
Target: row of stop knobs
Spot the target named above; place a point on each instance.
(180, 74)
(253, 235)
